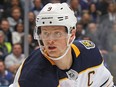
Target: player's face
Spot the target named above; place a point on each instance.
(54, 39)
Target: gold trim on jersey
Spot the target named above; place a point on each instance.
(58, 85)
(51, 61)
(91, 68)
(62, 79)
(20, 68)
(76, 50)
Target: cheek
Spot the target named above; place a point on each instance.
(63, 43)
(43, 42)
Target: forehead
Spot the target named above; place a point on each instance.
(17, 46)
(49, 28)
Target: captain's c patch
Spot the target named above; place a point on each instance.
(87, 44)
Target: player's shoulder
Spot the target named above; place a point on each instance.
(34, 68)
(87, 47)
(84, 44)
(34, 56)
(89, 54)
(33, 62)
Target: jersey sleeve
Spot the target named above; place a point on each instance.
(102, 78)
(92, 65)
(89, 54)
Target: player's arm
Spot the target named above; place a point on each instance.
(103, 77)
(100, 75)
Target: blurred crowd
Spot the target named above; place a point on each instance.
(96, 22)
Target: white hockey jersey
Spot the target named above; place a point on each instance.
(87, 70)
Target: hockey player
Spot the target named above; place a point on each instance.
(60, 61)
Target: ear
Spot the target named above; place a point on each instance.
(72, 34)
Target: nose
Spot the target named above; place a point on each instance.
(51, 41)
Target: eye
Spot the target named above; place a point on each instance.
(46, 34)
(58, 34)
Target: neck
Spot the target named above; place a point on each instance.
(65, 62)
(17, 56)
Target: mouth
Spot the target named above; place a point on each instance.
(51, 47)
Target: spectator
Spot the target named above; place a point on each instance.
(79, 31)
(6, 77)
(37, 7)
(15, 17)
(18, 34)
(9, 4)
(102, 6)
(85, 4)
(110, 16)
(111, 12)
(31, 16)
(32, 45)
(86, 19)
(94, 13)
(5, 47)
(76, 7)
(5, 27)
(13, 60)
(92, 32)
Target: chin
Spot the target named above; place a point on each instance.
(53, 54)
